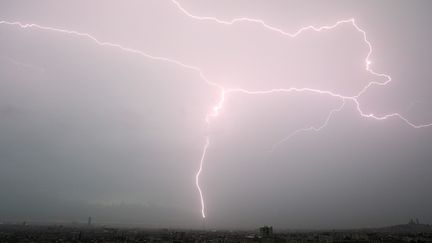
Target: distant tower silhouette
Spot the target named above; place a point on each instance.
(89, 221)
(411, 221)
(266, 231)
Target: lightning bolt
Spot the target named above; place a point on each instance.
(112, 45)
(206, 145)
(215, 111)
(310, 129)
(368, 62)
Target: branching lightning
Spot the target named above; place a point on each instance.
(368, 62)
(312, 128)
(224, 92)
(112, 45)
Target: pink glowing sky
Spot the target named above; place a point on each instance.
(109, 102)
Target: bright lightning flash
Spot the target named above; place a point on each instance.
(368, 62)
(215, 111)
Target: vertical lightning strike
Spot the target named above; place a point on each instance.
(146, 55)
(215, 111)
(206, 145)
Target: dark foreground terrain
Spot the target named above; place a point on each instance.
(81, 233)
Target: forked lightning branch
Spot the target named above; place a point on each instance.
(225, 91)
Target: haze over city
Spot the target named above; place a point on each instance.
(227, 114)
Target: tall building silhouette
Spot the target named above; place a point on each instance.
(266, 231)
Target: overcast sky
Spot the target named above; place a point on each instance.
(90, 130)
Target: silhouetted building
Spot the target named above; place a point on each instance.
(89, 221)
(178, 237)
(266, 231)
(414, 221)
